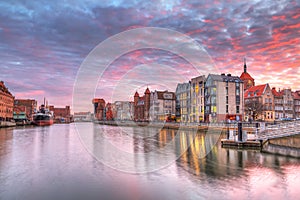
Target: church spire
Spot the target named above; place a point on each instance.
(245, 66)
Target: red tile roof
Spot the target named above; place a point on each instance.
(246, 76)
(136, 94)
(296, 95)
(275, 93)
(255, 91)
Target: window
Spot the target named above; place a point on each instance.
(238, 99)
(237, 109)
(227, 90)
(226, 108)
(226, 99)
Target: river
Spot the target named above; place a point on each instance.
(90, 161)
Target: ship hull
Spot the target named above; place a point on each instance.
(43, 122)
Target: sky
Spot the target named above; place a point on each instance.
(45, 44)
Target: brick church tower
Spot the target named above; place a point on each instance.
(247, 78)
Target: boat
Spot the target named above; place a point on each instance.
(43, 117)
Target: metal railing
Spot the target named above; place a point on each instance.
(280, 130)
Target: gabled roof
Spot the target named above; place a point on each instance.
(136, 94)
(256, 91)
(275, 93)
(296, 95)
(160, 95)
(246, 76)
(147, 91)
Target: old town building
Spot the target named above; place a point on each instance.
(162, 106)
(183, 102)
(296, 97)
(142, 106)
(99, 108)
(197, 99)
(26, 106)
(61, 114)
(223, 98)
(284, 103)
(247, 78)
(6, 103)
(124, 110)
(259, 103)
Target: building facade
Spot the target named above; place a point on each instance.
(296, 97)
(99, 108)
(27, 106)
(6, 103)
(223, 98)
(61, 114)
(284, 103)
(162, 106)
(264, 105)
(183, 102)
(197, 99)
(124, 110)
(142, 106)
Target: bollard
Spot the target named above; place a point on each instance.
(227, 133)
(240, 132)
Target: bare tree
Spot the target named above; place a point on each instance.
(253, 108)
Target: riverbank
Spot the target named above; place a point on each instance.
(5, 124)
(249, 128)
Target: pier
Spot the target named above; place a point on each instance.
(262, 138)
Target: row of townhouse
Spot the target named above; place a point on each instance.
(119, 110)
(217, 98)
(152, 106)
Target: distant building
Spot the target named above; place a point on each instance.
(61, 114)
(82, 116)
(247, 78)
(223, 98)
(142, 106)
(197, 99)
(6, 103)
(183, 102)
(162, 106)
(99, 108)
(26, 106)
(108, 114)
(124, 110)
(296, 97)
(264, 96)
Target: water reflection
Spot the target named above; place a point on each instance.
(45, 160)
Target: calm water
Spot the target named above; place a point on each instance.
(87, 161)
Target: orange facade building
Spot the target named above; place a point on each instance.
(6, 103)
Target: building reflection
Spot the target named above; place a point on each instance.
(198, 154)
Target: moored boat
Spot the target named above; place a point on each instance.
(43, 117)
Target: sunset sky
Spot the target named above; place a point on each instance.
(43, 43)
